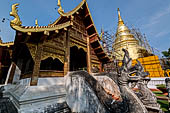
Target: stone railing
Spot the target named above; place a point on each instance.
(155, 81)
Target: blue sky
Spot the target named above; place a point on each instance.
(152, 17)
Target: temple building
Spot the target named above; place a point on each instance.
(58, 68)
(5, 59)
(70, 43)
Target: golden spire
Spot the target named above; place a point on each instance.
(120, 18)
(124, 39)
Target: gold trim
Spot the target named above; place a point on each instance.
(95, 65)
(7, 44)
(95, 61)
(47, 55)
(16, 24)
(78, 46)
(14, 13)
(41, 28)
(61, 11)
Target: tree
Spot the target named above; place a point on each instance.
(166, 60)
(166, 53)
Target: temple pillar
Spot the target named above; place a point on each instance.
(1, 65)
(101, 67)
(37, 61)
(88, 56)
(67, 52)
(10, 75)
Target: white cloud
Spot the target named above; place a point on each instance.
(150, 24)
(162, 33)
(154, 19)
(160, 14)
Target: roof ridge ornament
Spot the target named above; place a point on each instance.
(60, 8)
(14, 13)
(62, 13)
(16, 24)
(36, 22)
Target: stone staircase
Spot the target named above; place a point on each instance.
(58, 108)
(6, 106)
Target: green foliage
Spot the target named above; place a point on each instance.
(160, 86)
(166, 53)
(164, 105)
(160, 95)
(157, 92)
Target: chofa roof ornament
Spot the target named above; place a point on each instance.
(16, 24)
(62, 13)
(14, 13)
(60, 10)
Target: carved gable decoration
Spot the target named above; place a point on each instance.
(54, 48)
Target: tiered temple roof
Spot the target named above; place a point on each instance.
(63, 22)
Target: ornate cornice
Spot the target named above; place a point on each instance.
(8, 44)
(61, 11)
(16, 24)
(52, 55)
(78, 46)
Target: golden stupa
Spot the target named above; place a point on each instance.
(124, 39)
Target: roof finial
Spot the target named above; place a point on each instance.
(119, 17)
(59, 5)
(102, 33)
(14, 13)
(36, 22)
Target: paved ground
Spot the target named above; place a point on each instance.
(6, 106)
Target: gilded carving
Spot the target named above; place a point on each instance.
(16, 24)
(94, 61)
(48, 54)
(53, 50)
(32, 48)
(78, 45)
(61, 11)
(14, 13)
(95, 65)
(56, 43)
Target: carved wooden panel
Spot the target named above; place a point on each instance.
(53, 52)
(52, 55)
(54, 48)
